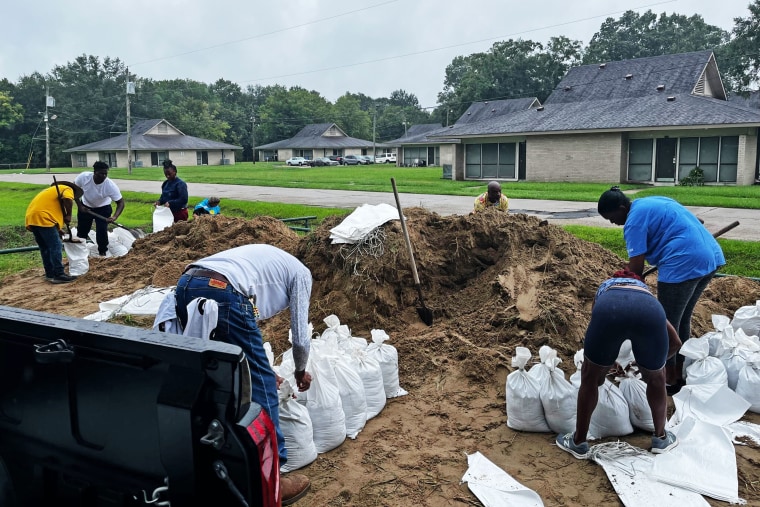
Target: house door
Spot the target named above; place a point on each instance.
(665, 164)
(521, 169)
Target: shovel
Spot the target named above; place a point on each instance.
(424, 312)
(137, 233)
(720, 232)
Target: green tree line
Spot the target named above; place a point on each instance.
(90, 91)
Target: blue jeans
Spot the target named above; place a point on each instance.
(51, 249)
(84, 224)
(236, 325)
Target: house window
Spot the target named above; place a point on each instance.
(307, 154)
(81, 159)
(337, 153)
(201, 157)
(109, 157)
(640, 159)
(709, 150)
(729, 158)
(491, 161)
(157, 157)
(688, 156)
(414, 157)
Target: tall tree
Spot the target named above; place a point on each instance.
(349, 116)
(10, 112)
(637, 35)
(510, 69)
(286, 111)
(740, 58)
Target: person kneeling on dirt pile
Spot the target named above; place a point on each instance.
(624, 309)
(254, 282)
(208, 206)
(99, 192)
(493, 198)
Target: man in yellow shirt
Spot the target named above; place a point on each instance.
(493, 198)
(45, 218)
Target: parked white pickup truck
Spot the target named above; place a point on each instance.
(385, 159)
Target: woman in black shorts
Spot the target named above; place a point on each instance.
(624, 309)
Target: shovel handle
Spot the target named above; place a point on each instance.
(716, 234)
(406, 234)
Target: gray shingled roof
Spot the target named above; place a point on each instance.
(614, 114)
(145, 142)
(418, 134)
(752, 101)
(479, 111)
(312, 137)
(678, 73)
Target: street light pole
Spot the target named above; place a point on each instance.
(47, 130)
(253, 139)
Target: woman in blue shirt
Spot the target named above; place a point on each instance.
(667, 235)
(173, 192)
(208, 206)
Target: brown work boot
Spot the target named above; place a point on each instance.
(293, 487)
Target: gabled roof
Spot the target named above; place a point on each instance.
(752, 100)
(142, 140)
(479, 111)
(683, 73)
(319, 136)
(653, 111)
(418, 134)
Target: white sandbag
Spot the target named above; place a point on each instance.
(387, 356)
(115, 247)
(558, 396)
(704, 369)
(747, 318)
(372, 378)
(706, 454)
(625, 356)
(325, 407)
(296, 427)
(524, 409)
(78, 254)
(611, 416)
(342, 334)
(575, 378)
(162, 218)
(721, 323)
(736, 351)
(634, 391)
(496, 488)
(540, 371)
(712, 403)
(352, 397)
(124, 237)
(748, 382)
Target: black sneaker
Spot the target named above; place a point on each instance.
(63, 279)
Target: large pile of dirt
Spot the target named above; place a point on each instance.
(493, 281)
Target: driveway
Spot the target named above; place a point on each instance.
(556, 212)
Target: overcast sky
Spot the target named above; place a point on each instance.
(331, 46)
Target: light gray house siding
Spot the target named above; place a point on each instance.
(594, 158)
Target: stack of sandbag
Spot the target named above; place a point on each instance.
(524, 409)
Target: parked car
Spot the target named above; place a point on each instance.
(337, 158)
(367, 159)
(300, 161)
(352, 160)
(323, 161)
(386, 158)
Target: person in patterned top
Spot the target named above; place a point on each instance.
(493, 198)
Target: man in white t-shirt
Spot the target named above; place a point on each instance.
(99, 192)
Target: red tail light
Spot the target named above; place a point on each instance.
(263, 434)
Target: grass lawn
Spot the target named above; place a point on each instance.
(426, 180)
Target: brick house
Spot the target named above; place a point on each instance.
(649, 120)
(153, 141)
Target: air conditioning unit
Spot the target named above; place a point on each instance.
(138, 163)
(225, 161)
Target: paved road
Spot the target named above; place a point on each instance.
(557, 212)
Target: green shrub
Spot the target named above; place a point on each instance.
(696, 178)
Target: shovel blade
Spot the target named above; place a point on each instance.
(425, 314)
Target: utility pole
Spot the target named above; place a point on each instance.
(374, 124)
(253, 138)
(130, 89)
(47, 129)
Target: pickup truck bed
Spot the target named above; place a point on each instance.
(116, 416)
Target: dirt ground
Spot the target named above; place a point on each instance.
(493, 281)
